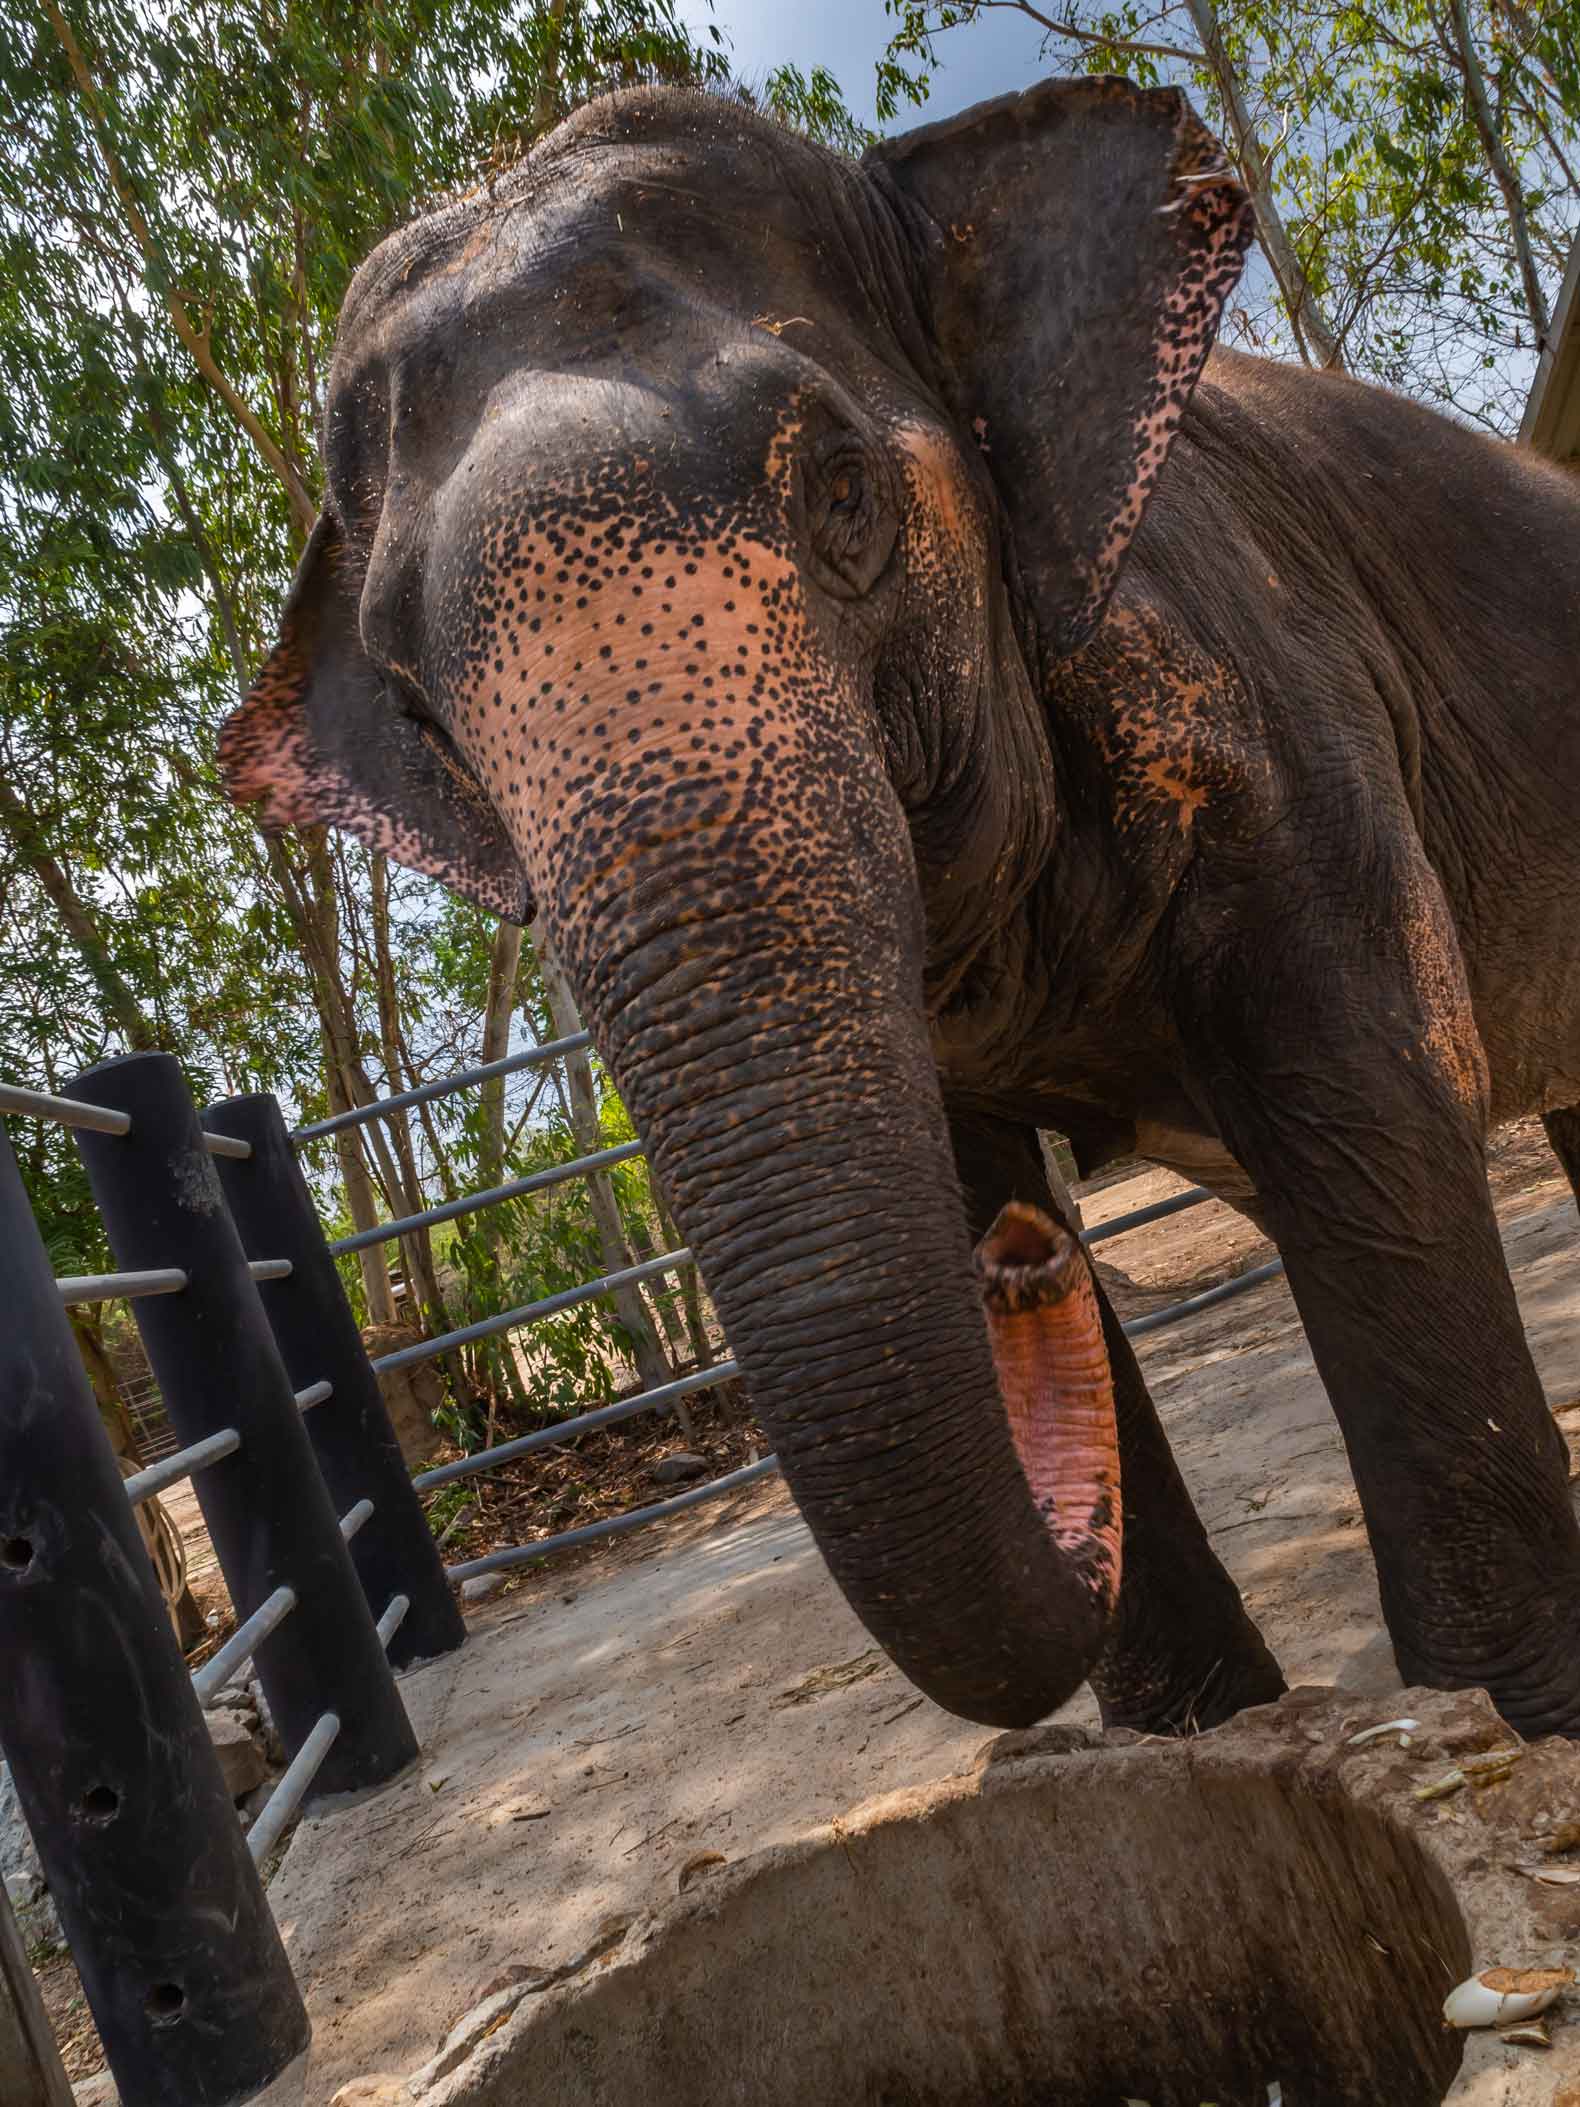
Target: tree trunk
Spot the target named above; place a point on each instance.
(1505, 174)
(651, 1361)
(504, 961)
(77, 919)
(313, 918)
(417, 1249)
(1313, 332)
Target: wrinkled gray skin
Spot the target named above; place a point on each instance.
(768, 570)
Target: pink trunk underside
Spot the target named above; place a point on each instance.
(1058, 1395)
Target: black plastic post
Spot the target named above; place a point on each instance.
(146, 1861)
(394, 1552)
(267, 1508)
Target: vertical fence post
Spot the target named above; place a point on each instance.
(145, 1859)
(394, 1552)
(267, 1508)
(31, 2072)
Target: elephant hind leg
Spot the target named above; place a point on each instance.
(1563, 1135)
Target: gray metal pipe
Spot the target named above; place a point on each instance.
(356, 1518)
(1207, 1300)
(392, 1620)
(615, 1525)
(568, 1429)
(293, 1788)
(216, 1672)
(359, 1115)
(77, 1288)
(1175, 1204)
(64, 1111)
(314, 1394)
(142, 1485)
(539, 1181)
(533, 1312)
(98, 1119)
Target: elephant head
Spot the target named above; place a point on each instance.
(705, 512)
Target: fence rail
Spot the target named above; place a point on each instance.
(115, 1770)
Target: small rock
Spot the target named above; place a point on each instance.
(482, 1587)
(242, 1762)
(273, 1747)
(380, 2089)
(682, 1464)
(22, 1875)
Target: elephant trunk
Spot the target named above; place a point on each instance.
(960, 1475)
(690, 761)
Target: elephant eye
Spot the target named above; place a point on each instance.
(852, 529)
(845, 492)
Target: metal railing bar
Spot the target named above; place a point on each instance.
(64, 1111)
(614, 1525)
(227, 1145)
(314, 1394)
(98, 1119)
(216, 1672)
(539, 1181)
(270, 1269)
(1175, 1204)
(359, 1115)
(293, 1788)
(111, 1287)
(392, 1620)
(569, 1429)
(1205, 1301)
(142, 1485)
(533, 1312)
(355, 1518)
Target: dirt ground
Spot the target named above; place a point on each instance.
(701, 1687)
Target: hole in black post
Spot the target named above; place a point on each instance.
(100, 1803)
(165, 2002)
(17, 1553)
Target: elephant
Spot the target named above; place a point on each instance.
(930, 691)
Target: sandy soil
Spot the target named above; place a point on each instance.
(702, 1688)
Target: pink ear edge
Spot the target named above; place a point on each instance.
(1215, 225)
(267, 758)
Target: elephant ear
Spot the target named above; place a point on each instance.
(1078, 244)
(323, 737)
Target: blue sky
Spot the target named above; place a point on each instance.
(995, 54)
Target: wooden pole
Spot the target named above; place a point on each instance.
(31, 2072)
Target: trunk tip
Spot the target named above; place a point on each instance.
(1027, 1258)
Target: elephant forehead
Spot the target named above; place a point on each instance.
(586, 244)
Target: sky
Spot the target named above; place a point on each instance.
(992, 56)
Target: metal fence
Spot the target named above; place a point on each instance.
(315, 1523)
(318, 1528)
(665, 1394)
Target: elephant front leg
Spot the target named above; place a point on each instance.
(1182, 1654)
(1335, 1047)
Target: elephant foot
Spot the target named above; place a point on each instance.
(1534, 1699)
(1186, 1687)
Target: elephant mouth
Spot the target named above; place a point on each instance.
(436, 737)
